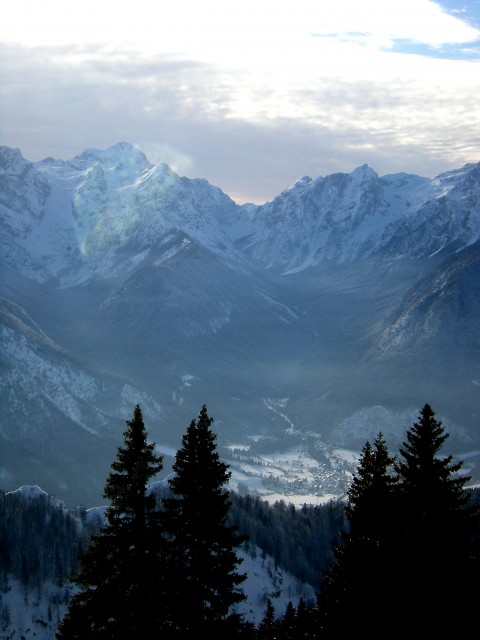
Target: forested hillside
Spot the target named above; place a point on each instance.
(299, 540)
(41, 540)
(407, 515)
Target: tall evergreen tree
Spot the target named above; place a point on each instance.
(204, 577)
(267, 628)
(437, 582)
(410, 554)
(306, 627)
(356, 580)
(287, 627)
(120, 577)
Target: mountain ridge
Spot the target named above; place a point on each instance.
(288, 319)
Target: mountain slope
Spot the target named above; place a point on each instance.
(346, 217)
(58, 410)
(290, 319)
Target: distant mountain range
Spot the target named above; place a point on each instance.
(306, 324)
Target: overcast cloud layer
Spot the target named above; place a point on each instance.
(250, 95)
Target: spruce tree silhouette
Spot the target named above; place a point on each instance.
(204, 577)
(437, 556)
(411, 555)
(120, 577)
(358, 577)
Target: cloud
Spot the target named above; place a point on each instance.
(236, 32)
(380, 24)
(249, 95)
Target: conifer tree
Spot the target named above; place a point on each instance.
(410, 553)
(357, 579)
(204, 577)
(304, 619)
(287, 628)
(268, 626)
(438, 559)
(120, 577)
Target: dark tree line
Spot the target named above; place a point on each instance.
(400, 556)
(39, 540)
(299, 539)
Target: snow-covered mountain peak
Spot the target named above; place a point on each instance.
(337, 217)
(348, 216)
(12, 161)
(122, 154)
(105, 200)
(23, 195)
(350, 187)
(80, 212)
(460, 183)
(160, 173)
(301, 183)
(30, 491)
(34, 492)
(363, 174)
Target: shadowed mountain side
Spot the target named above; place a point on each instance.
(62, 418)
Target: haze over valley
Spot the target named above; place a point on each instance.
(306, 324)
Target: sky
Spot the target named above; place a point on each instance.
(250, 94)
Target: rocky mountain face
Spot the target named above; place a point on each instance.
(306, 324)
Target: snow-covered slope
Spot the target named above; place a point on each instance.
(343, 217)
(74, 217)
